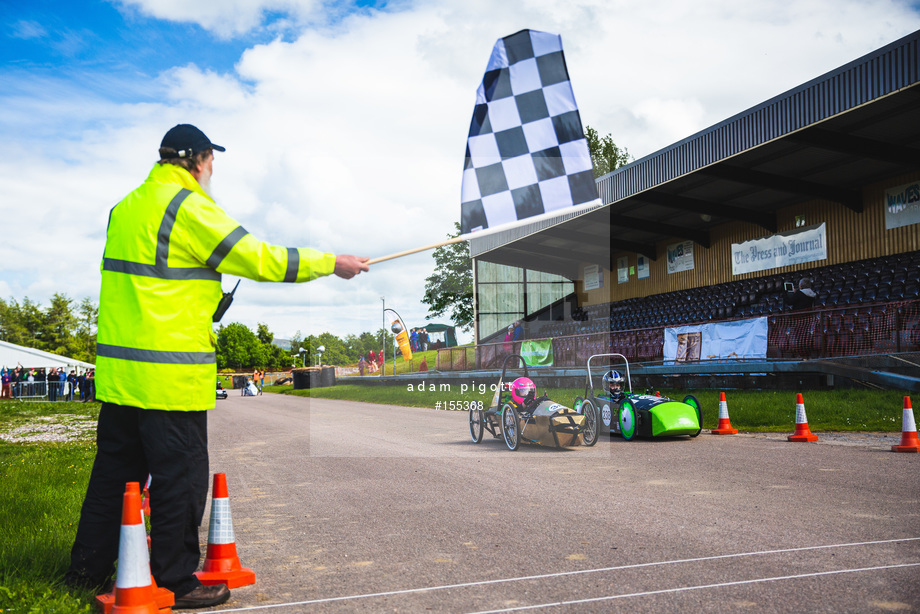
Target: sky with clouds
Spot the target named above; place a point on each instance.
(345, 122)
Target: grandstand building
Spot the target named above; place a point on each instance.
(712, 233)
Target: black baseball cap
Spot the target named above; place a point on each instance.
(188, 140)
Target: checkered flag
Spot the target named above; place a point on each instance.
(527, 153)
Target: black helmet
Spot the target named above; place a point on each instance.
(613, 381)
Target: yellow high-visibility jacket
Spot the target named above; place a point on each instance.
(166, 246)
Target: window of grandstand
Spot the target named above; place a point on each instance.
(507, 294)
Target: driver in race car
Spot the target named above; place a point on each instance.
(523, 391)
(613, 385)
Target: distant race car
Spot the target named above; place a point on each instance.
(517, 414)
(221, 393)
(635, 415)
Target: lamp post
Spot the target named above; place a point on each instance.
(303, 357)
(383, 338)
(319, 355)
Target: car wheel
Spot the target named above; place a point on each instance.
(476, 419)
(692, 402)
(627, 420)
(592, 428)
(577, 405)
(511, 427)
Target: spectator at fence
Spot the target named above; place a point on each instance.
(803, 297)
(62, 382)
(508, 345)
(372, 361)
(413, 340)
(90, 383)
(51, 380)
(361, 365)
(6, 376)
(518, 333)
(37, 382)
(16, 381)
(71, 384)
(423, 340)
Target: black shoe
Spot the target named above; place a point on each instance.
(203, 597)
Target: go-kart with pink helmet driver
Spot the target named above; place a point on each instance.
(516, 414)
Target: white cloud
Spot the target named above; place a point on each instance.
(225, 18)
(350, 137)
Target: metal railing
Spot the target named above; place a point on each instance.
(864, 330)
(44, 391)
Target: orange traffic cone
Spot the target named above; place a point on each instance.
(222, 564)
(909, 440)
(133, 590)
(725, 425)
(802, 432)
(163, 597)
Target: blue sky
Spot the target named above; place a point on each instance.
(345, 124)
(53, 38)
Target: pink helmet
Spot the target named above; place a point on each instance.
(523, 390)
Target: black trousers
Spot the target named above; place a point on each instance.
(172, 446)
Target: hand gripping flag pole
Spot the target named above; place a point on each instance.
(527, 158)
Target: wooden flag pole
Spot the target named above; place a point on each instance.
(418, 249)
(555, 215)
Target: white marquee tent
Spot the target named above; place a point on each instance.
(12, 355)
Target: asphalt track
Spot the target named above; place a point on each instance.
(352, 507)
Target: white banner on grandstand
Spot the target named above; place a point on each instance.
(803, 245)
(680, 257)
(642, 267)
(722, 341)
(902, 205)
(594, 277)
(622, 269)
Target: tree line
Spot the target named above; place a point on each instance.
(64, 328)
(239, 348)
(68, 328)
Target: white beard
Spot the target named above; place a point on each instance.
(204, 180)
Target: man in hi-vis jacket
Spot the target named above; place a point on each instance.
(167, 245)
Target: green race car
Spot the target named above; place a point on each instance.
(636, 415)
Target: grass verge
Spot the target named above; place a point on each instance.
(43, 483)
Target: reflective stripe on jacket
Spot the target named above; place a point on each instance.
(166, 246)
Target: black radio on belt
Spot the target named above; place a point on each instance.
(224, 303)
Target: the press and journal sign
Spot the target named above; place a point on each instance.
(783, 249)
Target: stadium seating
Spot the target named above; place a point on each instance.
(867, 306)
